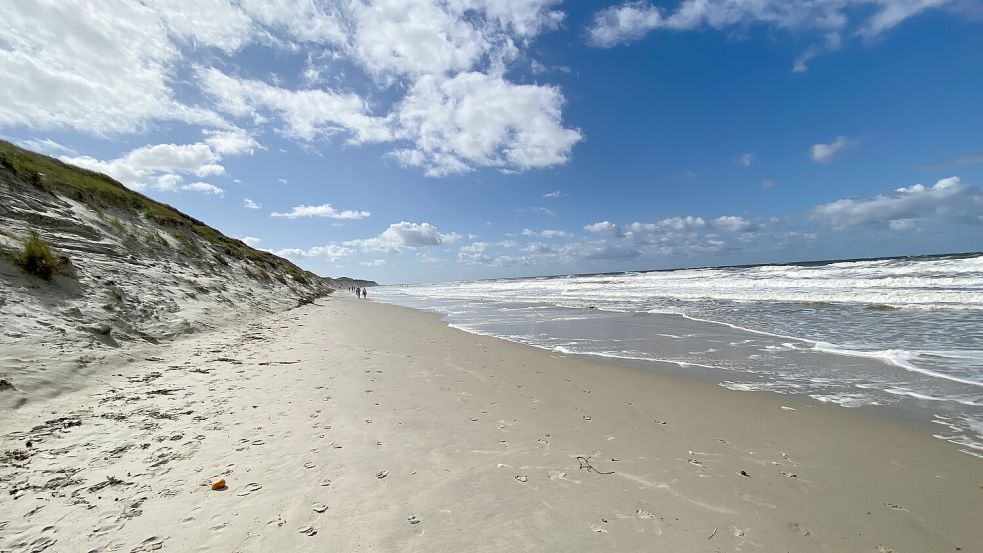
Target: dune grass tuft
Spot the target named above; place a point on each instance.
(38, 259)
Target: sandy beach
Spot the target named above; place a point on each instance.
(357, 426)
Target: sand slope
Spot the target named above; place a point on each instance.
(127, 280)
(355, 426)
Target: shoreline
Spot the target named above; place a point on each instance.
(934, 415)
(414, 436)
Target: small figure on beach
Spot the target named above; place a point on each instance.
(357, 291)
(365, 293)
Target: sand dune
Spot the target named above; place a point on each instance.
(131, 273)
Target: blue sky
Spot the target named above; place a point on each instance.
(427, 140)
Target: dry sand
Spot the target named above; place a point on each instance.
(354, 426)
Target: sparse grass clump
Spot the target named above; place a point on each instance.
(38, 259)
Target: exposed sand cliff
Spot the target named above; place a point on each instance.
(130, 272)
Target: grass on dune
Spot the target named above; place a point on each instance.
(100, 192)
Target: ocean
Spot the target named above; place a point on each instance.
(899, 331)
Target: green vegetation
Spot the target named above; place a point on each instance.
(102, 194)
(37, 258)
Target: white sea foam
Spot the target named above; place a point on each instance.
(850, 333)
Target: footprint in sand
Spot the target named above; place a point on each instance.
(644, 514)
(382, 474)
(522, 478)
(325, 483)
(556, 475)
(310, 465)
(250, 488)
(795, 527)
(319, 507)
(152, 543)
(412, 519)
(883, 549)
(597, 528)
(307, 530)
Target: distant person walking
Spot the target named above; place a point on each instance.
(365, 293)
(357, 291)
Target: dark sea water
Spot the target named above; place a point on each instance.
(870, 332)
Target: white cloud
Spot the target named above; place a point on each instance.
(405, 235)
(475, 120)
(374, 263)
(118, 67)
(767, 183)
(731, 223)
(235, 141)
(947, 201)
(828, 20)
(250, 240)
(331, 252)
(159, 166)
(746, 160)
(47, 146)
(681, 223)
(105, 67)
(308, 114)
(824, 153)
(433, 37)
(554, 194)
(204, 188)
(323, 210)
(247, 203)
(547, 233)
(604, 227)
(282, 181)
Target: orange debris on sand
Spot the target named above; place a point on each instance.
(218, 484)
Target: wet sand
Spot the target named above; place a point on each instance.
(356, 426)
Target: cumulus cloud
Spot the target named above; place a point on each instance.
(249, 204)
(307, 114)
(62, 65)
(824, 153)
(538, 253)
(477, 120)
(604, 227)
(231, 142)
(323, 210)
(159, 167)
(204, 188)
(374, 263)
(546, 233)
(731, 223)
(949, 200)
(443, 62)
(828, 20)
(331, 252)
(405, 235)
(745, 160)
(250, 240)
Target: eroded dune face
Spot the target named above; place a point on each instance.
(125, 277)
